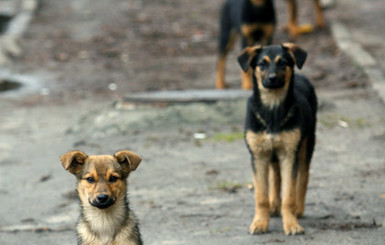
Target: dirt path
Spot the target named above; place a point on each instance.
(188, 191)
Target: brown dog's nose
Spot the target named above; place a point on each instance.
(102, 198)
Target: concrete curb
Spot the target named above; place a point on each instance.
(9, 40)
(365, 60)
(188, 96)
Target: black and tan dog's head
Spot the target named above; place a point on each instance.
(102, 178)
(273, 68)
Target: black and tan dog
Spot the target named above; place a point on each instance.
(279, 133)
(101, 185)
(254, 20)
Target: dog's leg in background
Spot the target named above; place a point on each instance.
(274, 189)
(221, 67)
(292, 13)
(227, 37)
(302, 179)
(319, 18)
(293, 27)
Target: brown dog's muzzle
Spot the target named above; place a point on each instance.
(102, 201)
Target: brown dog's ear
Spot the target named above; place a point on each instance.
(128, 160)
(299, 55)
(73, 161)
(247, 56)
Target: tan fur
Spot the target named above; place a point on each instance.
(115, 224)
(272, 98)
(247, 82)
(293, 27)
(221, 66)
(285, 145)
(274, 189)
(247, 31)
(319, 20)
(303, 177)
(258, 2)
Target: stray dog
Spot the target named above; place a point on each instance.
(101, 185)
(295, 29)
(279, 133)
(254, 20)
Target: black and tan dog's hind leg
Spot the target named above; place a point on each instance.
(227, 37)
(287, 161)
(274, 189)
(293, 27)
(305, 155)
(302, 179)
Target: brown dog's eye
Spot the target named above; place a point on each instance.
(113, 179)
(90, 180)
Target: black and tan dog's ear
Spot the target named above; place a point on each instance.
(299, 55)
(73, 161)
(247, 56)
(128, 160)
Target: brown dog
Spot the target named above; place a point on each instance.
(101, 185)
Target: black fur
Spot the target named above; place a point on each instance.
(297, 110)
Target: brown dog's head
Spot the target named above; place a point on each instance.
(272, 67)
(102, 178)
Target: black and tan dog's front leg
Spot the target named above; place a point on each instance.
(261, 219)
(289, 196)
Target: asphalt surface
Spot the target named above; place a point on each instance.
(190, 190)
(357, 31)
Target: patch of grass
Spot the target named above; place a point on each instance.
(332, 120)
(227, 186)
(328, 121)
(355, 122)
(228, 137)
(221, 230)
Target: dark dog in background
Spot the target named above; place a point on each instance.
(101, 185)
(279, 133)
(254, 20)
